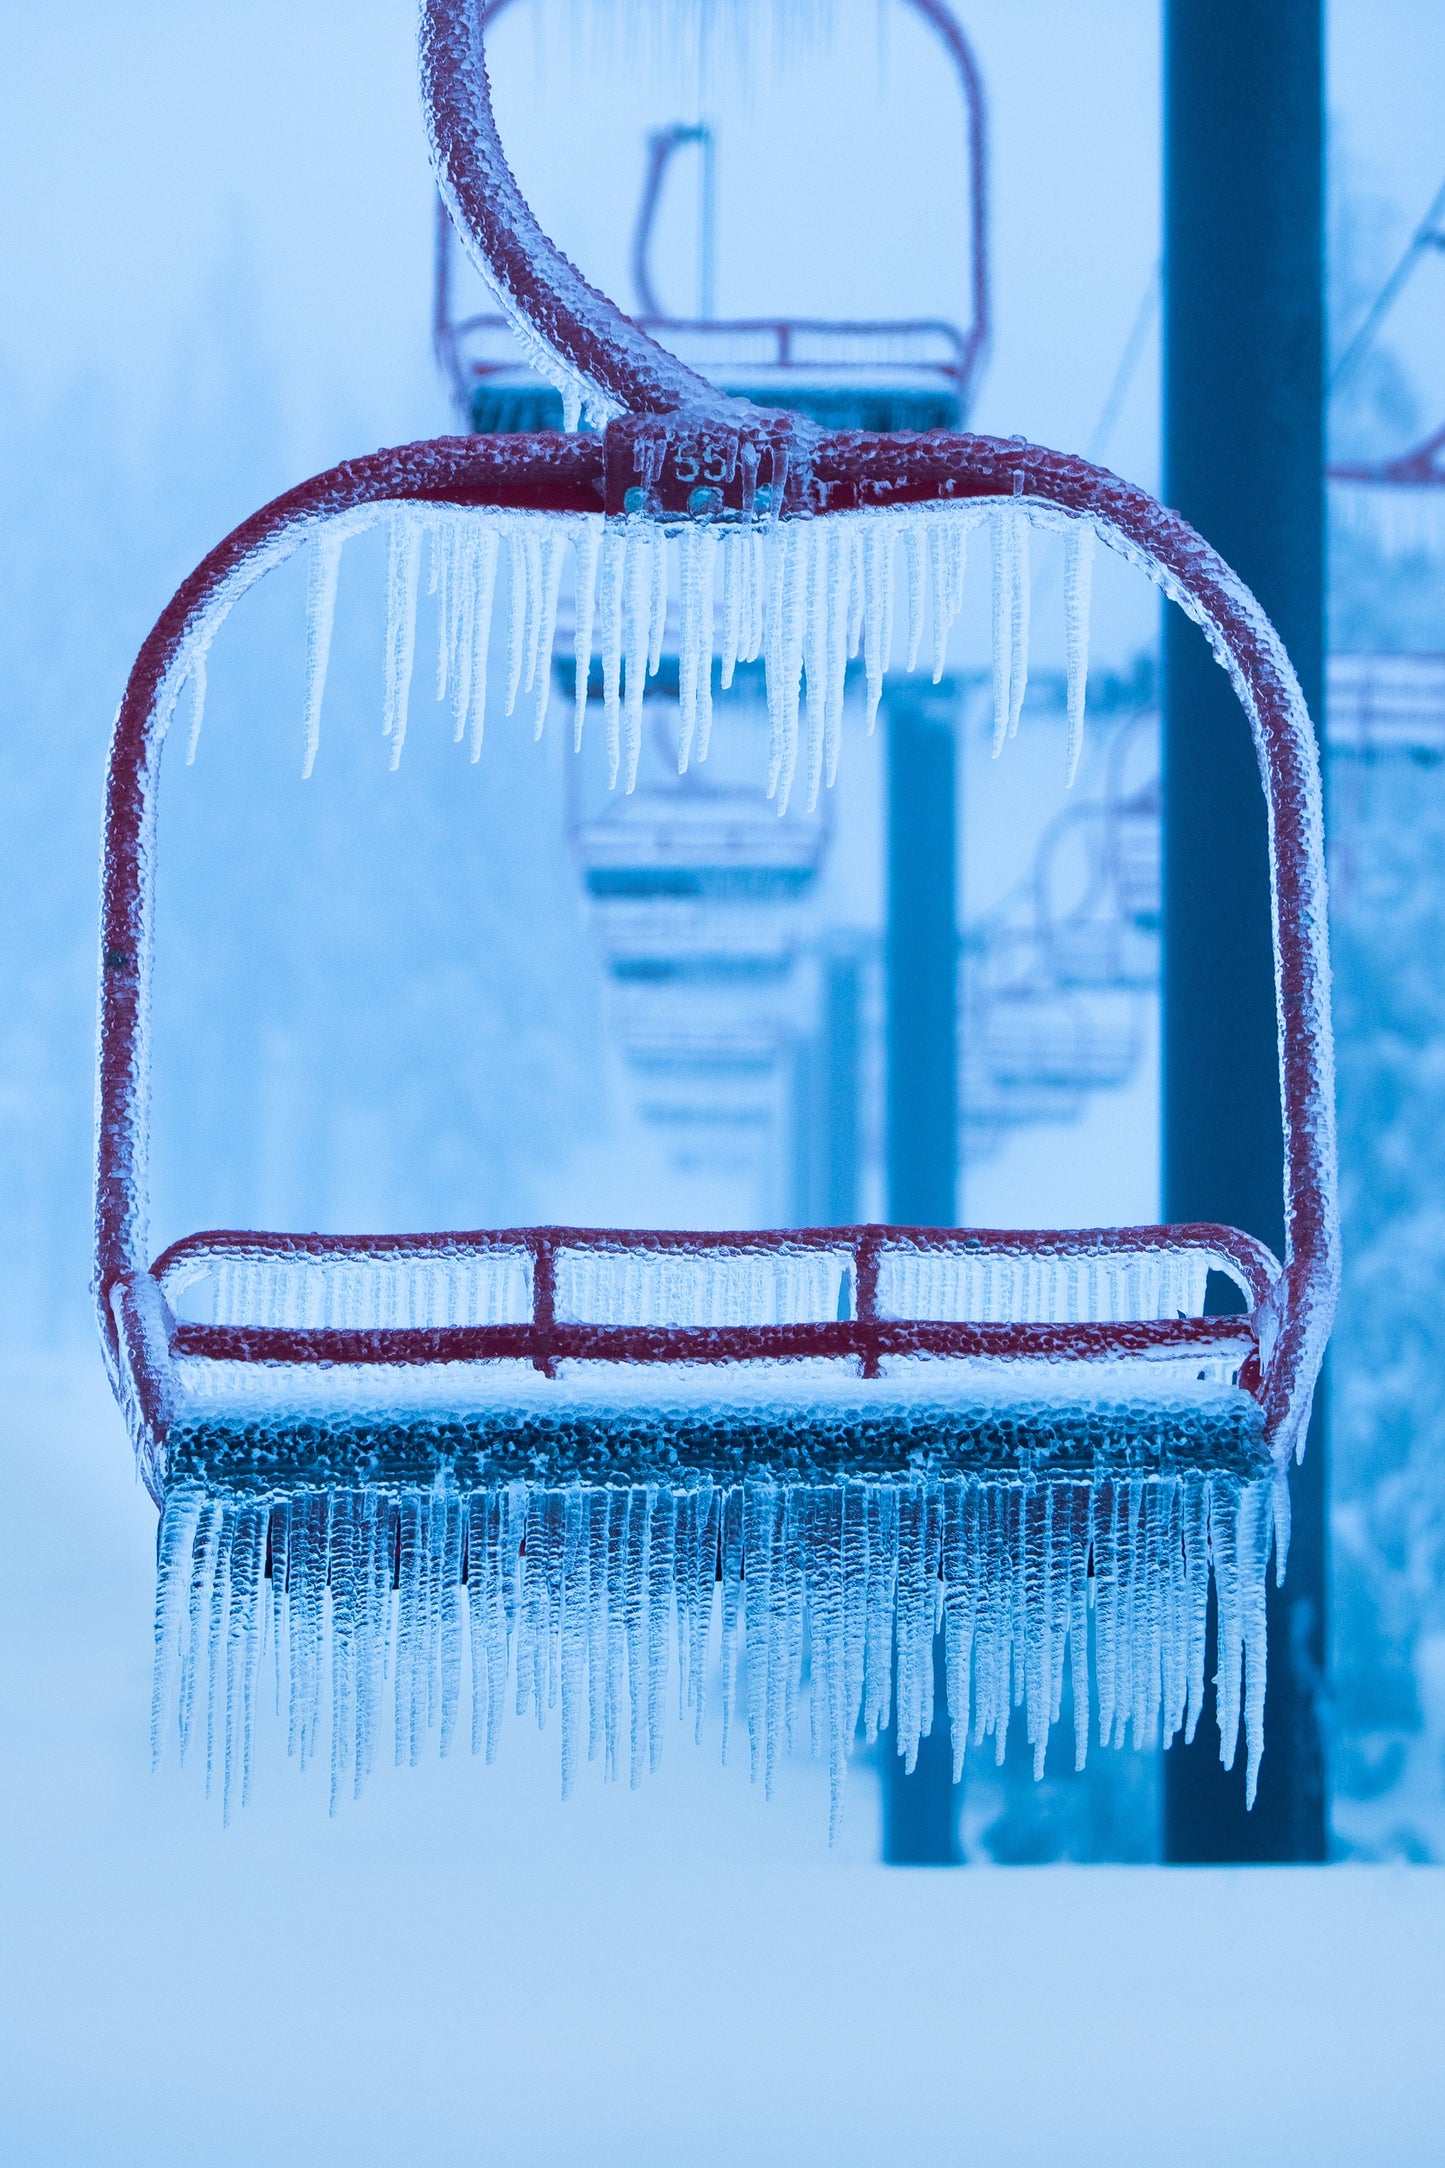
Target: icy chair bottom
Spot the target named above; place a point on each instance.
(546, 1591)
(726, 1426)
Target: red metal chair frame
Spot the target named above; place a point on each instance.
(669, 419)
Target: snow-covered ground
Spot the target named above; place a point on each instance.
(463, 1969)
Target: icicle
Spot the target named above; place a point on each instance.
(324, 575)
(1255, 1530)
(1010, 620)
(758, 551)
(698, 548)
(586, 549)
(639, 580)
(599, 1596)
(457, 627)
(524, 579)
(731, 1558)
(1078, 587)
(403, 575)
(960, 1605)
(442, 532)
(878, 546)
(817, 547)
(840, 571)
(784, 667)
(539, 667)
(198, 707)
(661, 1583)
(856, 545)
(410, 1584)
(657, 621)
(730, 549)
(449, 1601)
(915, 550)
(346, 1620)
(175, 1562)
(1224, 1506)
(636, 1593)
(947, 561)
(217, 1637)
(1019, 621)
(1078, 1541)
(374, 1567)
(482, 584)
(1282, 1524)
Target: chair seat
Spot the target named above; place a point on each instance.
(263, 1428)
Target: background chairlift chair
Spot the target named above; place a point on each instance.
(1053, 976)
(699, 896)
(574, 1431)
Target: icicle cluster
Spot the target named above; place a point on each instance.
(806, 596)
(575, 1597)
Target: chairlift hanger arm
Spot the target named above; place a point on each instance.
(588, 334)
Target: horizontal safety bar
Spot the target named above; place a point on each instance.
(867, 1340)
(869, 1334)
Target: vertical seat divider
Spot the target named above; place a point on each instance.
(544, 1301)
(867, 1249)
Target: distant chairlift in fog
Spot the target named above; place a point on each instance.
(1379, 706)
(699, 895)
(1054, 977)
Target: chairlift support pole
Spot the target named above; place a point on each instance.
(1244, 457)
(921, 1809)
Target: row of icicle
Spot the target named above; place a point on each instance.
(804, 596)
(576, 1596)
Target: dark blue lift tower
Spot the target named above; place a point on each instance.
(921, 1810)
(1244, 461)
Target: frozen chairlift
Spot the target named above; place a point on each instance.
(565, 1436)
